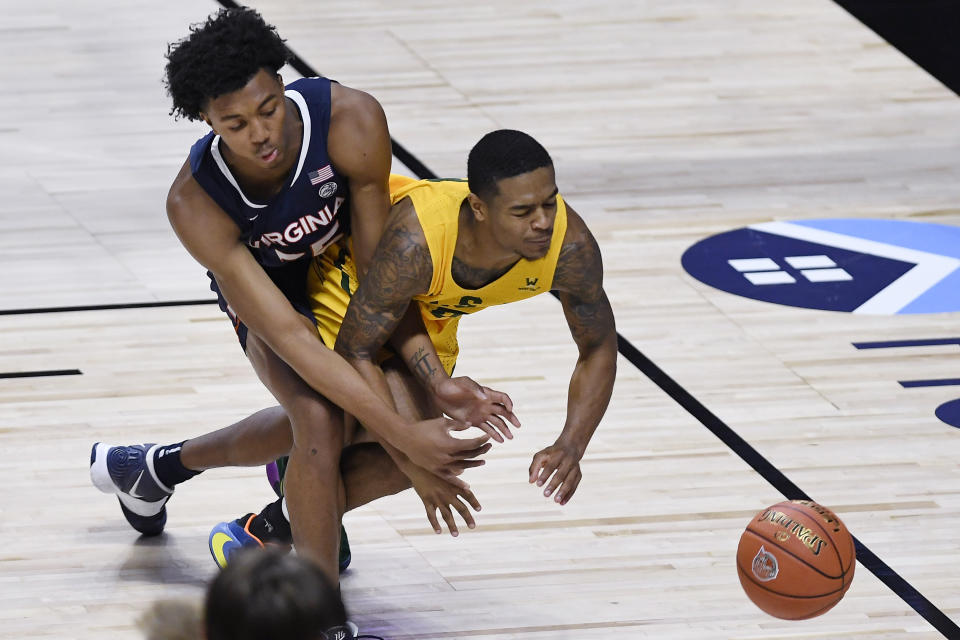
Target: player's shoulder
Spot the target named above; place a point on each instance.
(578, 241)
(579, 264)
(353, 106)
(403, 217)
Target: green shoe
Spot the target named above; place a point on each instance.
(275, 473)
(344, 558)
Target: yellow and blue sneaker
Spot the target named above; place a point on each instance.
(227, 538)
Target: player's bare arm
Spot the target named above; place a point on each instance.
(579, 283)
(359, 147)
(402, 270)
(214, 240)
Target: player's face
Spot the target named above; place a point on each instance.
(523, 211)
(251, 120)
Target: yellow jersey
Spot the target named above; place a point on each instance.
(437, 202)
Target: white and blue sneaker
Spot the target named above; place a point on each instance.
(127, 471)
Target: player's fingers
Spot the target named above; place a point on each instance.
(549, 467)
(501, 398)
(569, 487)
(471, 499)
(448, 518)
(464, 512)
(432, 517)
(455, 481)
(498, 423)
(467, 444)
(490, 431)
(535, 466)
(468, 464)
(474, 453)
(560, 476)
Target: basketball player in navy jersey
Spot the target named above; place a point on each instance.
(284, 173)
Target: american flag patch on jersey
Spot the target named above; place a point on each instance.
(321, 174)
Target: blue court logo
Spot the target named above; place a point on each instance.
(854, 265)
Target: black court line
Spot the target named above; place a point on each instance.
(942, 382)
(728, 436)
(42, 374)
(889, 344)
(105, 307)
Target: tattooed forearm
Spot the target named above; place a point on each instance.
(420, 364)
(401, 268)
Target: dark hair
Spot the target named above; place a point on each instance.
(267, 594)
(220, 56)
(503, 154)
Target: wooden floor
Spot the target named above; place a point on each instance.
(668, 122)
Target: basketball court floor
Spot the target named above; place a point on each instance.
(669, 123)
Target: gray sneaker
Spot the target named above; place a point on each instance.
(127, 471)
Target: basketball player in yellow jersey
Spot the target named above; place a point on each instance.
(458, 247)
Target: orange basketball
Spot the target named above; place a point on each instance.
(796, 559)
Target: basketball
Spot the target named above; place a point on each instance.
(796, 560)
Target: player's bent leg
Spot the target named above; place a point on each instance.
(313, 486)
(143, 477)
(258, 439)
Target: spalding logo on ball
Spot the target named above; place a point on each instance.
(796, 560)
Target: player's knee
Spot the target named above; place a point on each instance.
(316, 427)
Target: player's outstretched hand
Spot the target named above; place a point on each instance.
(466, 400)
(431, 444)
(557, 467)
(439, 495)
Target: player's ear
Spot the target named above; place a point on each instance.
(477, 206)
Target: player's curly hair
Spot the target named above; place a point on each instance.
(504, 153)
(220, 56)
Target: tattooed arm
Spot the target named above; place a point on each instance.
(401, 269)
(579, 283)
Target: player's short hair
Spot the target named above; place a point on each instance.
(220, 56)
(504, 153)
(266, 594)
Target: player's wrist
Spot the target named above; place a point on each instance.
(576, 445)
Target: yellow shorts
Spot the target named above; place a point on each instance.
(331, 283)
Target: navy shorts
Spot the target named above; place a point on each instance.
(291, 279)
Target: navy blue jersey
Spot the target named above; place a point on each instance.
(311, 211)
